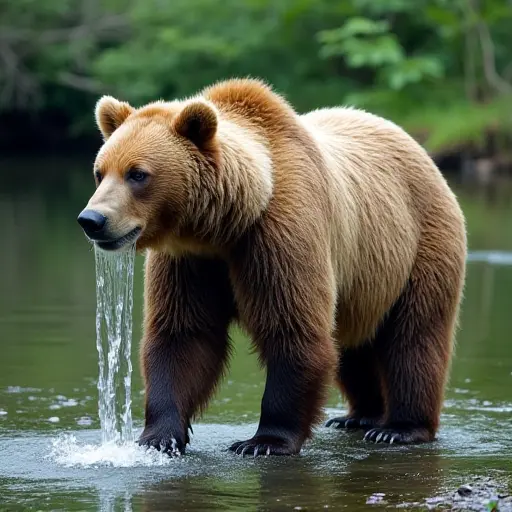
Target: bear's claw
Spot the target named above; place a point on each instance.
(397, 435)
(351, 422)
(262, 446)
(164, 442)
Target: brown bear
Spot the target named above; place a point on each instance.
(330, 237)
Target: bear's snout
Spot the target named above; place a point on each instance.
(92, 222)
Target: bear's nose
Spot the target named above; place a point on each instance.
(91, 221)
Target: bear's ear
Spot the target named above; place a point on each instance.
(197, 122)
(110, 114)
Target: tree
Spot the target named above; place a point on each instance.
(441, 68)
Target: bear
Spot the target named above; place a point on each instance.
(330, 237)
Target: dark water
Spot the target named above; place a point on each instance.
(48, 371)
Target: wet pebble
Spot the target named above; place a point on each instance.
(54, 419)
(465, 490)
(481, 496)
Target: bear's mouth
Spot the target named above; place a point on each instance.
(118, 243)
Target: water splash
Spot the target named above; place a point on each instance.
(68, 451)
(114, 296)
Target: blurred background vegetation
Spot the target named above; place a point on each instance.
(440, 68)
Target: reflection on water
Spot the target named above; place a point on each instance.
(48, 373)
(491, 257)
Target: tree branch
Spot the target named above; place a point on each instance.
(491, 74)
(81, 83)
(108, 24)
(19, 85)
(489, 61)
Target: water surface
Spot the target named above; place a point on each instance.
(49, 425)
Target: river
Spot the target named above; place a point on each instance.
(48, 372)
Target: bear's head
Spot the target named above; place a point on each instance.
(174, 174)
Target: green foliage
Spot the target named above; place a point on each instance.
(492, 506)
(363, 42)
(443, 68)
(413, 71)
(463, 122)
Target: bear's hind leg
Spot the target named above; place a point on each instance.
(359, 380)
(413, 348)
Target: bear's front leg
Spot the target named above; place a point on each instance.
(291, 403)
(188, 308)
(286, 302)
(166, 418)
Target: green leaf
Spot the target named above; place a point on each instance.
(373, 53)
(380, 7)
(412, 70)
(356, 26)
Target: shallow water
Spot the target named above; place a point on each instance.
(335, 470)
(50, 430)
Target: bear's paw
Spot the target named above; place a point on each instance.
(398, 435)
(352, 422)
(264, 445)
(164, 440)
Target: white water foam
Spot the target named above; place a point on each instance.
(69, 452)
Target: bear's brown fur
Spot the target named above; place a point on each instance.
(331, 237)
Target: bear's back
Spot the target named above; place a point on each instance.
(353, 181)
(383, 183)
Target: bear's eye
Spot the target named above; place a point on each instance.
(136, 175)
(98, 176)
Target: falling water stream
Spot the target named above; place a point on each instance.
(114, 295)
